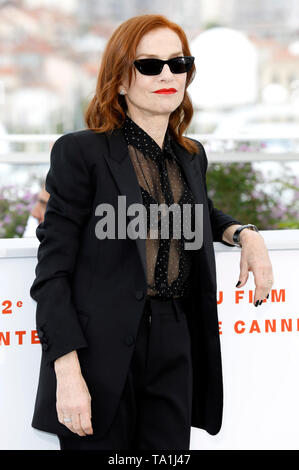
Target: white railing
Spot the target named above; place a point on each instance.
(33, 157)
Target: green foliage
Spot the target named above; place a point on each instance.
(239, 190)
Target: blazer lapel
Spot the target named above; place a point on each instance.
(119, 162)
(193, 175)
(125, 178)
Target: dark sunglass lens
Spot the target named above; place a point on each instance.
(148, 66)
(181, 64)
(154, 66)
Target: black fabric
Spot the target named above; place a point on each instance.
(154, 412)
(90, 293)
(168, 259)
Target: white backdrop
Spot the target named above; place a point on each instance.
(260, 366)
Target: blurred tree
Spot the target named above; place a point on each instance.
(239, 190)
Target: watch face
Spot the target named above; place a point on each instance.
(236, 237)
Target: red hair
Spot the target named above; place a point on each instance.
(106, 110)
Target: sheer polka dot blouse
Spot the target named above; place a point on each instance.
(161, 181)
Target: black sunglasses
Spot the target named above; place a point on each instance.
(155, 66)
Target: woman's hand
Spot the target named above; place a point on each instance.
(73, 400)
(255, 258)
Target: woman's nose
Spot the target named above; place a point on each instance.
(166, 71)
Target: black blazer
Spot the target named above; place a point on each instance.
(90, 293)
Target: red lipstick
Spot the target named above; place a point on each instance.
(166, 91)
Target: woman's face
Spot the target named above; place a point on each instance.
(162, 43)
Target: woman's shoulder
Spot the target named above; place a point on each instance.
(197, 142)
(79, 144)
(200, 155)
(82, 136)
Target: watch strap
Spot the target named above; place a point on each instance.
(236, 235)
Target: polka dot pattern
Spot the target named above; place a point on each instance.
(161, 181)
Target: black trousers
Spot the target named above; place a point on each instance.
(154, 412)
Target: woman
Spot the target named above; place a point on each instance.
(128, 325)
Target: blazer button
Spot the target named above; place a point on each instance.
(40, 333)
(139, 294)
(129, 340)
(45, 346)
(43, 338)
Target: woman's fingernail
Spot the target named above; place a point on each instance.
(267, 296)
(238, 283)
(261, 301)
(256, 303)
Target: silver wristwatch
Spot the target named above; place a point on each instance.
(236, 235)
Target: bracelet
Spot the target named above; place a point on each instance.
(236, 235)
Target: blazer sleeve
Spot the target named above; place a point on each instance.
(68, 183)
(219, 220)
